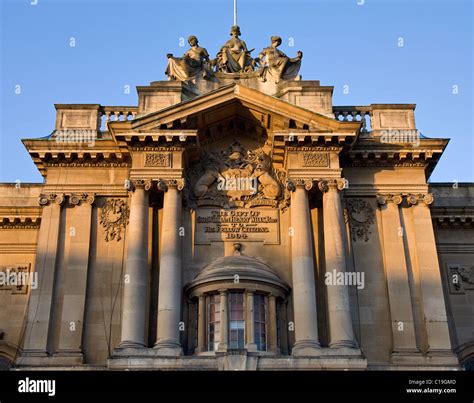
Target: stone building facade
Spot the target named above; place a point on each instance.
(236, 220)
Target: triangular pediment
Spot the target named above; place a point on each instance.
(236, 100)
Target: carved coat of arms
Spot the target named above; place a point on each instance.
(236, 177)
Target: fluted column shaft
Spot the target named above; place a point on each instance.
(136, 269)
(304, 291)
(169, 294)
(340, 323)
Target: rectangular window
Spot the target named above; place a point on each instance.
(236, 321)
(214, 322)
(259, 317)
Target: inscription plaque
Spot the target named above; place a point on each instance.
(214, 224)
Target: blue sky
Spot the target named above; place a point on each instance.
(125, 42)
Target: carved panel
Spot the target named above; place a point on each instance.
(361, 216)
(312, 159)
(157, 160)
(460, 278)
(114, 218)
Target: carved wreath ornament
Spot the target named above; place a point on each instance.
(114, 218)
(361, 217)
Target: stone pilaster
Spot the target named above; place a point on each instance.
(37, 335)
(400, 301)
(341, 333)
(302, 262)
(75, 272)
(169, 294)
(136, 269)
(433, 304)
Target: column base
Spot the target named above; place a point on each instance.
(168, 348)
(251, 347)
(131, 344)
(221, 348)
(306, 348)
(343, 344)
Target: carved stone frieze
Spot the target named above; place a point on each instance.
(315, 159)
(157, 160)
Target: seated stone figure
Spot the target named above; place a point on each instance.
(276, 65)
(194, 62)
(234, 57)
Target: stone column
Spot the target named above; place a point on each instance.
(201, 347)
(251, 345)
(403, 329)
(272, 325)
(302, 262)
(136, 269)
(432, 296)
(222, 347)
(75, 272)
(341, 333)
(39, 306)
(169, 294)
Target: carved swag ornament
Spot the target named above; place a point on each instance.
(114, 218)
(361, 216)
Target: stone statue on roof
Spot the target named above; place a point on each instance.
(194, 62)
(234, 57)
(276, 65)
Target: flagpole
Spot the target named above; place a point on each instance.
(235, 12)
